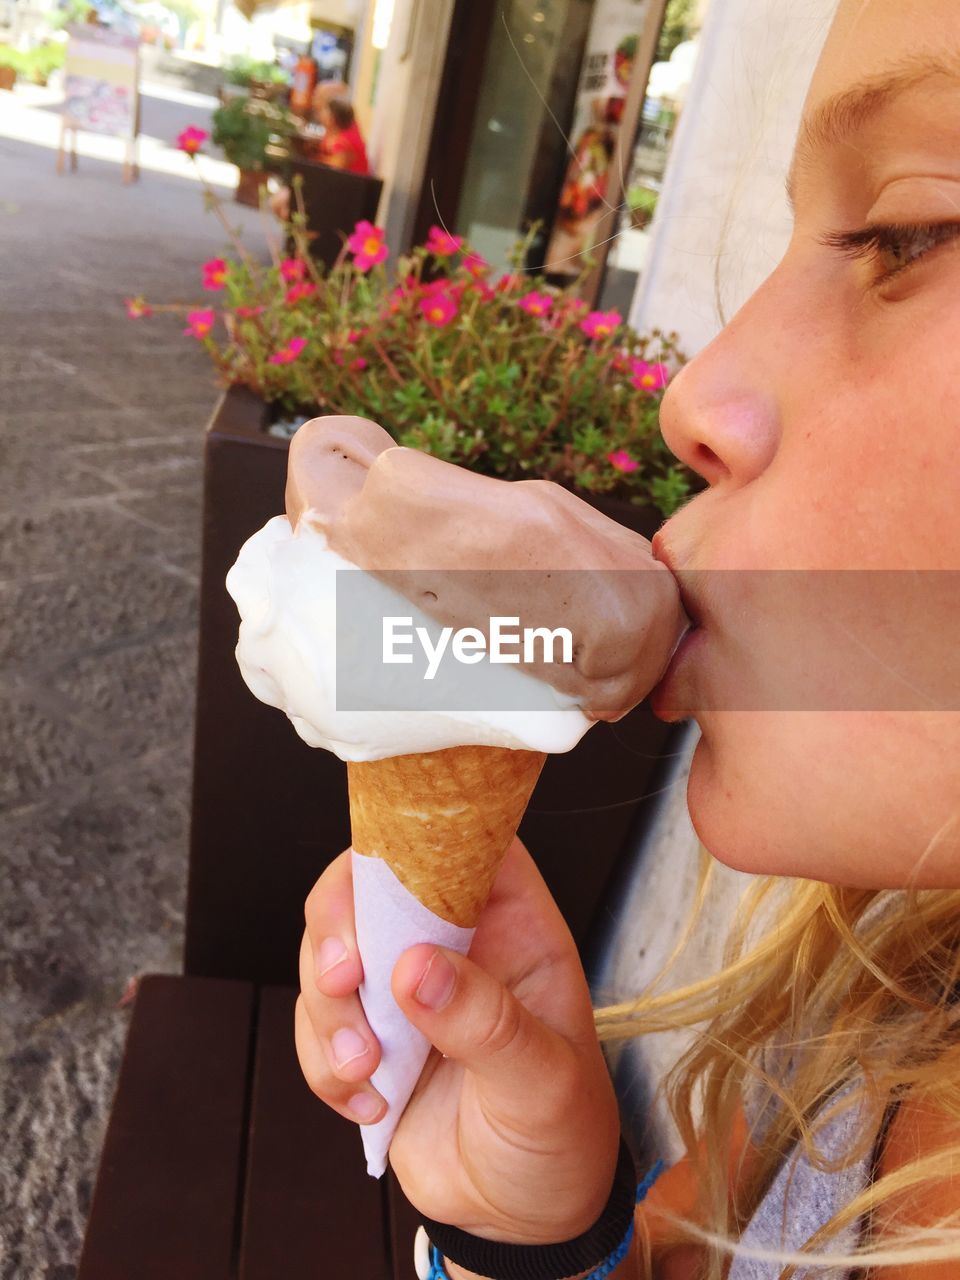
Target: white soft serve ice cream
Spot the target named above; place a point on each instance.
(285, 586)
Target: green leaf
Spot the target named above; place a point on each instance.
(669, 491)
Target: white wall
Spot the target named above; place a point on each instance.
(722, 222)
(408, 83)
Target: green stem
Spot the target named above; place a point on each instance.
(215, 204)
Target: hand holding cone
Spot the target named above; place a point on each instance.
(430, 832)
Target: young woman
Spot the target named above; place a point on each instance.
(340, 147)
(820, 1103)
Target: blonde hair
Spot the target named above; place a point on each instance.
(858, 988)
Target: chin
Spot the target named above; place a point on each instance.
(741, 826)
(716, 819)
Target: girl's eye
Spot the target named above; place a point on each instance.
(892, 247)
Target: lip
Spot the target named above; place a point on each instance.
(661, 552)
(666, 698)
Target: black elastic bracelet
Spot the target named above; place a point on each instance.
(501, 1261)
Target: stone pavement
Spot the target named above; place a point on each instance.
(101, 423)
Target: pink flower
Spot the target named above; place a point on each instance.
(289, 353)
(438, 309)
(441, 243)
(199, 323)
(293, 269)
(620, 460)
(507, 284)
(601, 324)
(356, 334)
(535, 304)
(367, 246)
(302, 290)
(398, 295)
(571, 309)
(476, 265)
(138, 308)
(357, 364)
(445, 286)
(214, 273)
(191, 139)
(649, 377)
(245, 313)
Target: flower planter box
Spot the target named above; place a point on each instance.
(269, 813)
(8, 77)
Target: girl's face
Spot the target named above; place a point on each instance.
(826, 419)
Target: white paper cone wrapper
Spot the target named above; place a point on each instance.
(389, 920)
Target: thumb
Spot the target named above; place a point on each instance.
(472, 1018)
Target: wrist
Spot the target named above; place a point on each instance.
(623, 1272)
(457, 1273)
(605, 1251)
(627, 1270)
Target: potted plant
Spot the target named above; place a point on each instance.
(11, 62)
(508, 376)
(244, 129)
(260, 78)
(38, 63)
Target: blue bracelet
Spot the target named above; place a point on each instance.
(600, 1272)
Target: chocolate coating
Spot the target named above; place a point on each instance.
(465, 547)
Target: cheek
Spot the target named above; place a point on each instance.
(868, 469)
(868, 800)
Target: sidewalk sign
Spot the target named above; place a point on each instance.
(101, 90)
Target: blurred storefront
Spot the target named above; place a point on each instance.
(494, 116)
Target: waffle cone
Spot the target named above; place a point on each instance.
(442, 820)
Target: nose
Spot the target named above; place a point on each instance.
(720, 414)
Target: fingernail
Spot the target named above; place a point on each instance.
(330, 953)
(347, 1044)
(365, 1105)
(436, 985)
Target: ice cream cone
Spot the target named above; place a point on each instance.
(442, 820)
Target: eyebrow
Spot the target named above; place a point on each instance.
(837, 119)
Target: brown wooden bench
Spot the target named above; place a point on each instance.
(218, 1163)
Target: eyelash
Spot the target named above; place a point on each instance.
(871, 241)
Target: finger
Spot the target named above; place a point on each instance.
(358, 1102)
(339, 1025)
(472, 1018)
(329, 916)
(523, 940)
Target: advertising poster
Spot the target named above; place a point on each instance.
(100, 81)
(601, 94)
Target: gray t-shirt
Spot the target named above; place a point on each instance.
(802, 1199)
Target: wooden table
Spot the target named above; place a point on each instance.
(219, 1164)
